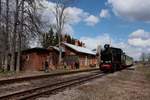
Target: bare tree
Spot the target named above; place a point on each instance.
(0, 34)
(19, 23)
(0, 14)
(31, 21)
(61, 19)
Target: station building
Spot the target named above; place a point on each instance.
(73, 57)
(79, 55)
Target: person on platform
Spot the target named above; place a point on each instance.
(46, 66)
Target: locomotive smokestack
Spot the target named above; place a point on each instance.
(106, 46)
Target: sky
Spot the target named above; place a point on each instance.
(122, 23)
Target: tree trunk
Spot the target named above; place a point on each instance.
(0, 34)
(60, 49)
(0, 60)
(18, 54)
(0, 16)
(6, 36)
(13, 58)
(18, 67)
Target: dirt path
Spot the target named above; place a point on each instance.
(130, 84)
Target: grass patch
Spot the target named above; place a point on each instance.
(145, 69)
(1, 70)
(147, 74)
(6, 73)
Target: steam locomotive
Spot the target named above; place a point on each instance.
(113, 59)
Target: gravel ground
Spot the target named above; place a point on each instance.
(129, 84)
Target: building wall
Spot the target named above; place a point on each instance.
(33, 61)
(53, 59)
(85, 60)
(36, 60)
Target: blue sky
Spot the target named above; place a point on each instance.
(123, 23)
(115, 26)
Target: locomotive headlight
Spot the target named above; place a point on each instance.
(107, 61)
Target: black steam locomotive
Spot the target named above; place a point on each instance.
(113, 59)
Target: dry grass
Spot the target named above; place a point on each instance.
(146, 71)
(125, 85)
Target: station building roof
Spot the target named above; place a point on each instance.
(79, 49)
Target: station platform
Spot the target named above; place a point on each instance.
(34, 74)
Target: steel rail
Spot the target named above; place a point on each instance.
(37, 91)
(34, 77)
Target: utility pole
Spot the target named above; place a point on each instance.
(99, 55)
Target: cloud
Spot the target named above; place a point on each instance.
(140, 41)
(68, 29)
(75, 15)
(92, 20)
(104, 13)
(139, 38)
(140, 33)
(131, 9)
(92, 42)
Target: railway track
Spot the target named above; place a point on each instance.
(32, 93)
(35, 77)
